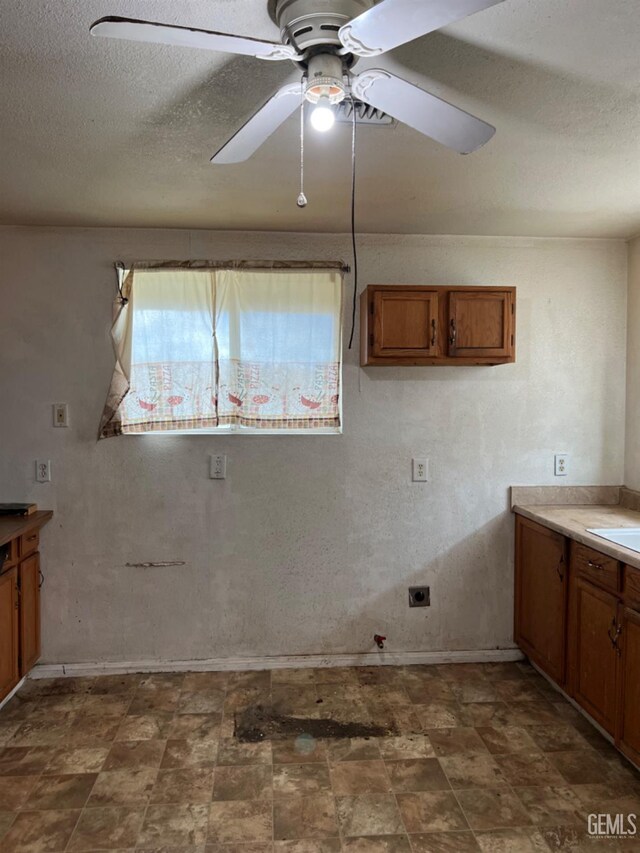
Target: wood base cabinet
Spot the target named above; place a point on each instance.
(20, 582)
(582, 628)
(29, 587)
(592, 654)
(541, 596)
(628, 643)
(9, 666)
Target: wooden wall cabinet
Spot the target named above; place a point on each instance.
(591, 648)
(424, 325)
(405, 324)
(20, 581)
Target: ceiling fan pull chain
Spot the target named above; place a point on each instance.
(354, 124)
(302, 199)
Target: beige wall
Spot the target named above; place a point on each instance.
(311, 542)
(632, 443)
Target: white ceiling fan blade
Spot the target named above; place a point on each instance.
(260, 126)
(394, 22)
(432, 116)
(132, 30)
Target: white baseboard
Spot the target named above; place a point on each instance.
(13, 692)
(52, 670)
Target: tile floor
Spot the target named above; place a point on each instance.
(488, 757)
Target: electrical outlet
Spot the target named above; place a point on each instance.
(561, 464)
(419, 596)
(218, 467)
(419, 470)
(43, 471)
(60, 415)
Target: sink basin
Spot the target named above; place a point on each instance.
(629, 537)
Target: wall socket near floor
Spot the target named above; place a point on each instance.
(419, 596)
(561, 464)
(43, 471)
(218, 467)
(419, 470)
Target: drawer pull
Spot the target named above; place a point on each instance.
(32, 538)
(597, 566)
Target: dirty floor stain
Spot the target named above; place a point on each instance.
(260, 722)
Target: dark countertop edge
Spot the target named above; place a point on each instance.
(617, 552)
(21, 524)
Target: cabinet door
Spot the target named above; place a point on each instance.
(593, 651)
(629, 708)
(9, 675)
(405, 323)
(29, 580)
(480, 323)
(541, 596)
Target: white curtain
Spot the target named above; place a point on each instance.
(227, 350)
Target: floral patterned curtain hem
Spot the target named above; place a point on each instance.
(139, 427)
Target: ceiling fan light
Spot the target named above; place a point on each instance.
(325, 79)
(323, 117)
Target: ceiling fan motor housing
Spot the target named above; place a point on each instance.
(325, 79)
(308, 23)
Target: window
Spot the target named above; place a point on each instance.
(227, 350)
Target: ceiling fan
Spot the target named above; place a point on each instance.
(325, 39)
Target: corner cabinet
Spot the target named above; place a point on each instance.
(541, 596)
(424, 325)
(582, 628)
(20, 582)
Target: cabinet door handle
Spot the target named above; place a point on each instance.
(434, 336)
(560, 574)
(613, 636)
(454, 333)
(41, 582)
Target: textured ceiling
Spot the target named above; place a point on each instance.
(99, 132)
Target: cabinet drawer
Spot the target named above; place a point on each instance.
(598, 568)
(29, 543)
(632, 587)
